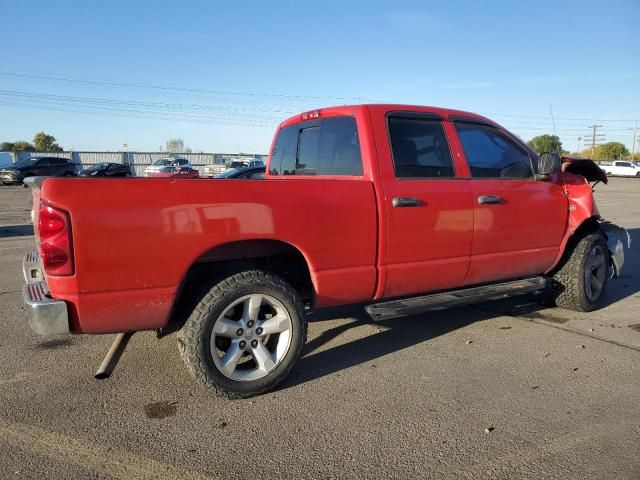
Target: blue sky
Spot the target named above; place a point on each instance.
(221, 75)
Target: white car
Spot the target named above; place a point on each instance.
(156, 166)
(620, 168)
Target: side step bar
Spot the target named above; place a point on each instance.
(453, 298)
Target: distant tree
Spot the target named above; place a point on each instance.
(175, 145)
(611, 151)
(45, 143)
(20, 145)
(546, 143)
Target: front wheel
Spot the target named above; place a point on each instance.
(245, 335)
(581, 280)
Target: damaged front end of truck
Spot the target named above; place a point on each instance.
(579, 176)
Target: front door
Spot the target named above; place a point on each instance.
(519, 222)
(429, 212)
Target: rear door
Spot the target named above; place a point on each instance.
(429, 211)
(519, 222)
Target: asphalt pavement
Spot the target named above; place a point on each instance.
(499, 390)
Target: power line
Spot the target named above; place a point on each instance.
(180, 89)
(165, 89)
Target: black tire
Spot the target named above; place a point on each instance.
(194, 339)
(569, 287)
(69, 174)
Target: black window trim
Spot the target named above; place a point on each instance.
(413, 115)
(455, 119)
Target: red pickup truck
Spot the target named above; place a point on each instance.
(400, 208)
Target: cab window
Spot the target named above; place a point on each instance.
(492, 154)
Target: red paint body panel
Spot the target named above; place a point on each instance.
(135, 239)
(521, 235)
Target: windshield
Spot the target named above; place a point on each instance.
(162, 161)
(25, 162)
(99, 166)
(237, 164)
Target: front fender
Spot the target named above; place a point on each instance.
(617, 238)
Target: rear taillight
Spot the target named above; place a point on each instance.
(56, 250)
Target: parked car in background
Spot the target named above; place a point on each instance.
(156, 166)
(5, 159)
(106, 170)
(246, 163)
(250, 173)
(37, 167)
(215, 169)
(175, 172)
(621, 168)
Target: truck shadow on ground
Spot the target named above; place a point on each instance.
(395, 335)
(400, 333)
(16, 231)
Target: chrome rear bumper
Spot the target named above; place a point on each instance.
(46, 315)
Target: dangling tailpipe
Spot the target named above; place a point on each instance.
(617, 239)
(113, 356)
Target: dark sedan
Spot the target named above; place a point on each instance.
(254, 173)
(106, 170)
(37, 167)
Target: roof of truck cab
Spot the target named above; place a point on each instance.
(444, 113)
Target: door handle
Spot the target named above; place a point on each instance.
(489, 199)
(406, 202)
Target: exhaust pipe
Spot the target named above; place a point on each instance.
(113, 355)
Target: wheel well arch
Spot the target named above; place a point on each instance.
(275, 256)
(589, 225)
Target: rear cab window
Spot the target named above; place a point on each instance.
(321, 147)
(419, 147)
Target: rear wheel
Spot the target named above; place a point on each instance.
(580, 282)
(245, 334)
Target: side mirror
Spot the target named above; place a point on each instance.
(548, 163)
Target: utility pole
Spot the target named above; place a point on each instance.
(593, 139)
(633, 148)
(578, 149)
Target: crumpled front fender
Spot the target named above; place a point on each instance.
(617, 239)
